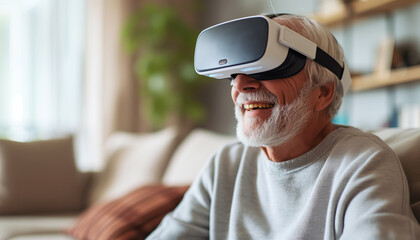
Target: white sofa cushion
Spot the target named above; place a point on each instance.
(46, 236)
(198, 147)
(27, 227)
(133, 160)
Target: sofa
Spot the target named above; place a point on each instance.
(44, 196)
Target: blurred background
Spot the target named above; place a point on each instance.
(93, 67)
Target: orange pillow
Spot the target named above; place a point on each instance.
(133, 216)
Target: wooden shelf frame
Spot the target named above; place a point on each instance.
(361, 8)
(394, 77)
(358, 9)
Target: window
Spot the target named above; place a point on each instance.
(41, 67)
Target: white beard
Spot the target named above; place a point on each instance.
(284, 123)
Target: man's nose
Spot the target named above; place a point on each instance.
(245, 83)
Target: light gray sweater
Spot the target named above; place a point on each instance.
(350, 186)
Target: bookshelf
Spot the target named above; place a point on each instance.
(394, 77)
(361, 8)
(358, 9)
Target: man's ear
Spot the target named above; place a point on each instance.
(325, 96)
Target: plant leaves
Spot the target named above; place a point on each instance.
(163, 44)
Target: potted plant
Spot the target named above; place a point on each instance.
(163, 45)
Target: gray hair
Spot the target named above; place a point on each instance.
(316, 74)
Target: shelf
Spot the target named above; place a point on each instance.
(361, 8)
(370, 7)
(357, 9)
(394, 77)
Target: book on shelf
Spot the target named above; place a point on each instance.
(384, 57)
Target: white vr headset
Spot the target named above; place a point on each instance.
(261, 48)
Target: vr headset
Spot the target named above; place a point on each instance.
(261, 48)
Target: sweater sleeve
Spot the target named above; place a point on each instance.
(190, 219)
(374, 203)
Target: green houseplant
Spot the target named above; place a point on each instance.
(163, 45)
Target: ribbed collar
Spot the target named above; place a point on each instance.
(303, 160)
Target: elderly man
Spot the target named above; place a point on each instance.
(294, 174)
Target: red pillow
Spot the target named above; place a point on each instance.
(133, 216)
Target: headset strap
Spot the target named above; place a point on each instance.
(321, 57)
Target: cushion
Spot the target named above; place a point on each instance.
(406, 144)
(132, 216)
(39, 177)
(198, 147)
(46, 236)
(18, 226)
(133, 160)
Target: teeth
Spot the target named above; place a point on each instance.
(250, 107)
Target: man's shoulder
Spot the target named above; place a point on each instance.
(357, 148)
(364, 139)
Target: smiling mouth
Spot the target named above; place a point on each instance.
(255, 106)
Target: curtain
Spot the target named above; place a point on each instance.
(41, 52)
(110, 90)
(111, 99)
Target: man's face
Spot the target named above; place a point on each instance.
(271, 112)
